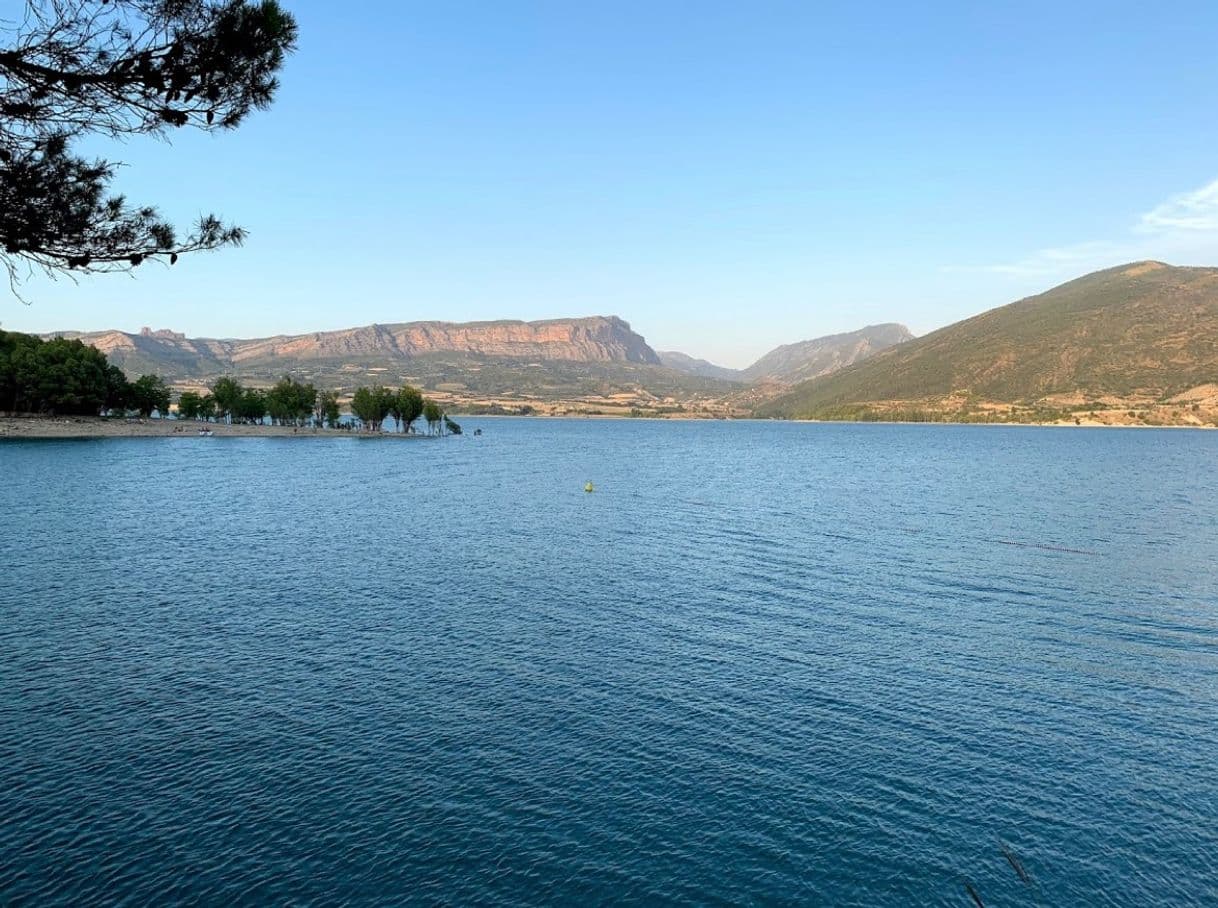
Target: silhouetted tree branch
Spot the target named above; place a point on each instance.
(119, 68)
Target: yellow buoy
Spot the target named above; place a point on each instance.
(588, 486)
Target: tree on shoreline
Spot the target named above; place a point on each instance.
(148, 393)
(190, 405)
(432, 414)
(119, 68)
(327, 409)
(372, 405)
(118, 389)
(407, 407)
(226, 392)
(252, 408)
(290, 400)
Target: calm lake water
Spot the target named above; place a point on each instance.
(770, 663)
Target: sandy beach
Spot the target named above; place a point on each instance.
(96, 427)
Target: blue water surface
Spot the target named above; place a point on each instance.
(761, 663)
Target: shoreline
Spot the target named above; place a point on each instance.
(96, 427)
(997, 425)
(92, 427)
(605, 417)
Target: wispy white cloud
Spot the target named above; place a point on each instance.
(1184, 225)
(1196, 210)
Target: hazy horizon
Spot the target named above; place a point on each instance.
(727, 182)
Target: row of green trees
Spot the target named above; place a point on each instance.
(371, 406)
(67, 377)
(288, 403)
(293, 403)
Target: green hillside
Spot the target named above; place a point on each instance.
(1145, 330)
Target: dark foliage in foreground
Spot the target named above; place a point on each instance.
(119, 68)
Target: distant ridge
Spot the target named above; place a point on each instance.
(1145, 331)
(797, 362)
(687, 364)
(597, 339)
(792, 363)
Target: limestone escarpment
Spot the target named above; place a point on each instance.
(597, 339)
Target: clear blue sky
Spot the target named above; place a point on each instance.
(725, 176)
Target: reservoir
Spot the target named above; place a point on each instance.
(764, 662)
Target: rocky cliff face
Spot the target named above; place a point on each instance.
(583, 340)
(596, 339)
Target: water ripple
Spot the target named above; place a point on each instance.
(768, 663)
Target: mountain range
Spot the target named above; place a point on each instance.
(597, 339)
(558, 358)
(1137, 343)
